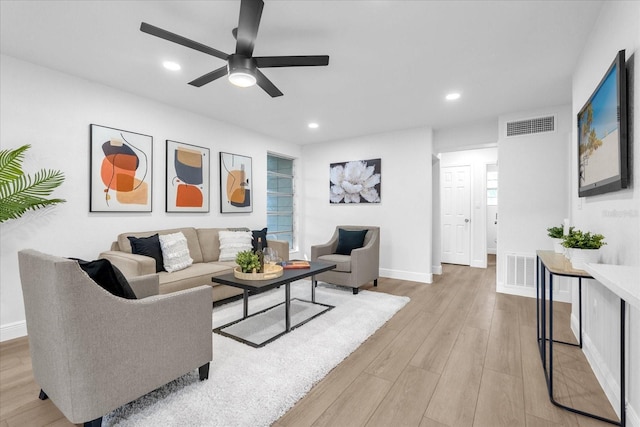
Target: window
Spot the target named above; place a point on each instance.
(492, 188)
(280, 198)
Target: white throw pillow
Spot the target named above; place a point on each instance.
(175, 252)
(232, 242)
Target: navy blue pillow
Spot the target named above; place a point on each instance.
(349, 240)
(261, 234)
(148, 246)
(108, 277)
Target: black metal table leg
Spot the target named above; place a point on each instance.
(287, 307)
(245, 304)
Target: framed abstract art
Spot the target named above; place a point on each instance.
(235, 183)
(187, 178)
(120, 170)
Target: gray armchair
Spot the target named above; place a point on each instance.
(353, 270)
(93, 352)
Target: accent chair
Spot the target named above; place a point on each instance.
(356, 268)
(92, 351)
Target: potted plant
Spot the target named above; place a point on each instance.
(584, 247)
(248, 261)
(20, 192)
(557, 235)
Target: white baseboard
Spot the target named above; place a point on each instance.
(633, 419)
(436, 269)
(407, 275)
(13, 330)
(478, 264)
(515, 290)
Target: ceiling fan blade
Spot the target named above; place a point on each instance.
(266, 85)
(175, 38)
(291, 61)
(209, 77)
(248, 23)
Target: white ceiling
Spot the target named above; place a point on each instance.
(391, 62)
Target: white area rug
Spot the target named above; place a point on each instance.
(255, 386)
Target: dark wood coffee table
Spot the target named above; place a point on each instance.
(259, 286)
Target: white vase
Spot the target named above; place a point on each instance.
(557, 245)
(581, 257)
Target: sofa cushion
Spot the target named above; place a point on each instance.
(209, 243)
(194, 275)
(189, 233)
(349, 240)
(108, 277)
(148, 246)
(259, 234)
(232, 242)
(342, 262)
(175, 252)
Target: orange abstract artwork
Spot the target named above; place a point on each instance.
(187, 178)
(123, 169)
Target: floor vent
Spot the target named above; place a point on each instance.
(531, 126)
(520, 270)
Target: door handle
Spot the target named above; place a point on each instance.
(467, 220)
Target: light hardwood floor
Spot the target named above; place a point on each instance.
(458, 354)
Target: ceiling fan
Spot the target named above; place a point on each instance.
(242, 68)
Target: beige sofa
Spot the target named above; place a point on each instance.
(204, 248)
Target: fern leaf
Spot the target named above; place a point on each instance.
(20, 193)
(11, 163)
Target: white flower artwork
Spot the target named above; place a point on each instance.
(355, 182)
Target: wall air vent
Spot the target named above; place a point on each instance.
(531, 126)
(520, 270)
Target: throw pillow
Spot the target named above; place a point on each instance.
(175, 252)
(148, 246)
(262, 234)
(349, 240)
(108, 277)
(232, 242)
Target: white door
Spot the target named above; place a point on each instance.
(456, 214)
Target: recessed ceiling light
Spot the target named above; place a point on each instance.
(313, 125)
(170, 65)
(452, 96)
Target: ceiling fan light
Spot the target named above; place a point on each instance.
(242, 79)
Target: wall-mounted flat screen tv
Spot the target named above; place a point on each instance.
(602, 134)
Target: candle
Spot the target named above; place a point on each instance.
(565, 230)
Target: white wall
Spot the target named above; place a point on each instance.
(478, 161)
(482, 134)
(615, 215)
(52, 112)
(404, 214)
(534, 185)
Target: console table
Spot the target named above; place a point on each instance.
(621, 280)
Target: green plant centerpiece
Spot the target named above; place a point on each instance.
(248, 261)
(20, 192)
(556, 232)
(577, 239)
(583, 248)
